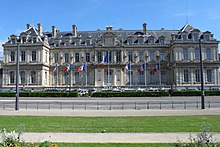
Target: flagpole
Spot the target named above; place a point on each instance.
(159, 72)
(145, 73)
(130, 74)
(86, 74)
(108, 68)
(57, 75)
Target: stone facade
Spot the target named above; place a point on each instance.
(45, 55)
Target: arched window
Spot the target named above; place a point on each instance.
(22, 77)
(12, 77)
(33, 77)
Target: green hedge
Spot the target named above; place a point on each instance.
(39, 94)
(130, 94)
(113, 94)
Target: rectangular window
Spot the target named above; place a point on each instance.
(56, 57)
(34, 55)
(185, 53)
(209, 75)
(129, 41)
(151, 41)
(34, 40)
(118, 74)
(207, 38)
(110, 57)
(88, 42)
(152, 57)
(186, 75)
(45, 81)
(197, 55)
(161, 41)
(87, 57)
(22, 76)
(76, 77)
(22, 55)
(141, 41)
(76, 57)
(12, 56)
(197, 75)
(130, 56)
(66, 57)
(141, 56)
(195, 37)
(99, 55)
(184, 37)
(66, 78)
(12, 77)
(23, 39)
(163, 76)
(118, 56)
(33, 77)
(162, 56)
(208, 53)
(46, 57)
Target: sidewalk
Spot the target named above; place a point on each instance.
(148, 112)
(111, 137)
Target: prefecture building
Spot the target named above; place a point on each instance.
(129, 58)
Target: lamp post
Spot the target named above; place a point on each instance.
(17, 79)
(202, 78)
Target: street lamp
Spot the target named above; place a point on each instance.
(17, 79)
(202, 78)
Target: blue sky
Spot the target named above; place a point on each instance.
(96, 14)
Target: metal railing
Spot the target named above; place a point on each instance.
(110, 105)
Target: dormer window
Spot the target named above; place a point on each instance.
(207, 37)
(129, 41)
(23, 39)
(151, 41)
(13, 40)
(162, 41)
(184, 37)
(141, 41)
(88, 42)
(195, 37)
(34, 39)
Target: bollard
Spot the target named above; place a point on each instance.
(209, 105)
(184, 104)
(172, 105)
(110, 104)
(148, 105)
(37, 105)
(160, 105)
(26, 106)
(61, 106)
(85, 105)
(97, 105)
(135, 106)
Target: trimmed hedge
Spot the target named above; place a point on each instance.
(113, 94)
(130, 94)
(39, 94)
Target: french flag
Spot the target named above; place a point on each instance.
(81, 68)
(104, 61)
(68, 68)
(156, 68)
(141, 68)
(126, 67)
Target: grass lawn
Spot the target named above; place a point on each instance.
(110, 124)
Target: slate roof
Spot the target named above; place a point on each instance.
(120, 35)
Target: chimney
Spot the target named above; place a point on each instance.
(145, 29)
(40, 28)
(109, 28)
(74, 30)
(28, 26)
(54, 31)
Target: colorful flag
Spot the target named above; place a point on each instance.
(68, 68)
(81, 68)
(126, 67)
(104, 61)
(141, 68)
(156, 68)
(55, 68)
